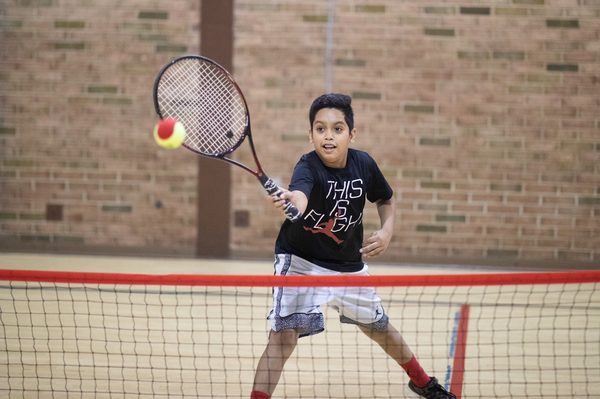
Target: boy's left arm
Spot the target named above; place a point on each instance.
(379, 240)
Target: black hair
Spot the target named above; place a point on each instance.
(338, 101)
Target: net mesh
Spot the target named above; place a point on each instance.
(91, 335)
(202, 96)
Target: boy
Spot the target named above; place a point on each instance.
(329, 186)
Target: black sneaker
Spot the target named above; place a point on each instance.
(432, 390)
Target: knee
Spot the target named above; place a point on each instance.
(285, 339)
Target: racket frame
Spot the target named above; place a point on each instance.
(247, 130)
(270, 186)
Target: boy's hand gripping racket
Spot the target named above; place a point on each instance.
(203, 96)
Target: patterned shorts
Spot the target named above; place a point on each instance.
(299, 308)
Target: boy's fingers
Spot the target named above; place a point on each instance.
(286, 195)
(367, 248)
(370, 240)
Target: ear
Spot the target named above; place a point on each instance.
(352, 135)
(310, 139)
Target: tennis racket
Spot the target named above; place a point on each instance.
(203, 96)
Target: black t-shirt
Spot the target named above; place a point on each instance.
(330, 233)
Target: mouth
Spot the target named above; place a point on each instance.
(329, 147)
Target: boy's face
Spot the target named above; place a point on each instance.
(331, 137)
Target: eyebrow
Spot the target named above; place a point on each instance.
(325, 123)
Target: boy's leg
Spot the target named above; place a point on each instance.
(390, 341)
(279, 348)
(295, 313)
(393, 344)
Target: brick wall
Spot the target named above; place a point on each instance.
(79, 169)
(484, 116)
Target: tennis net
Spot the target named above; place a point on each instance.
(100, 335)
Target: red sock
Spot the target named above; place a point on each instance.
(259, 395)
(416, 373)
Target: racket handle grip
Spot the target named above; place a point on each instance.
(291, 212)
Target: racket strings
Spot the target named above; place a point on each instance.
(202, 117)
(210, 115)
(202, 97)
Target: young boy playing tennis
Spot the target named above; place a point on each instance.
(329, 186)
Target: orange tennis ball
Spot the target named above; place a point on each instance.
(169, 133)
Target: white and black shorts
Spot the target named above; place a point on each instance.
(299, 308)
